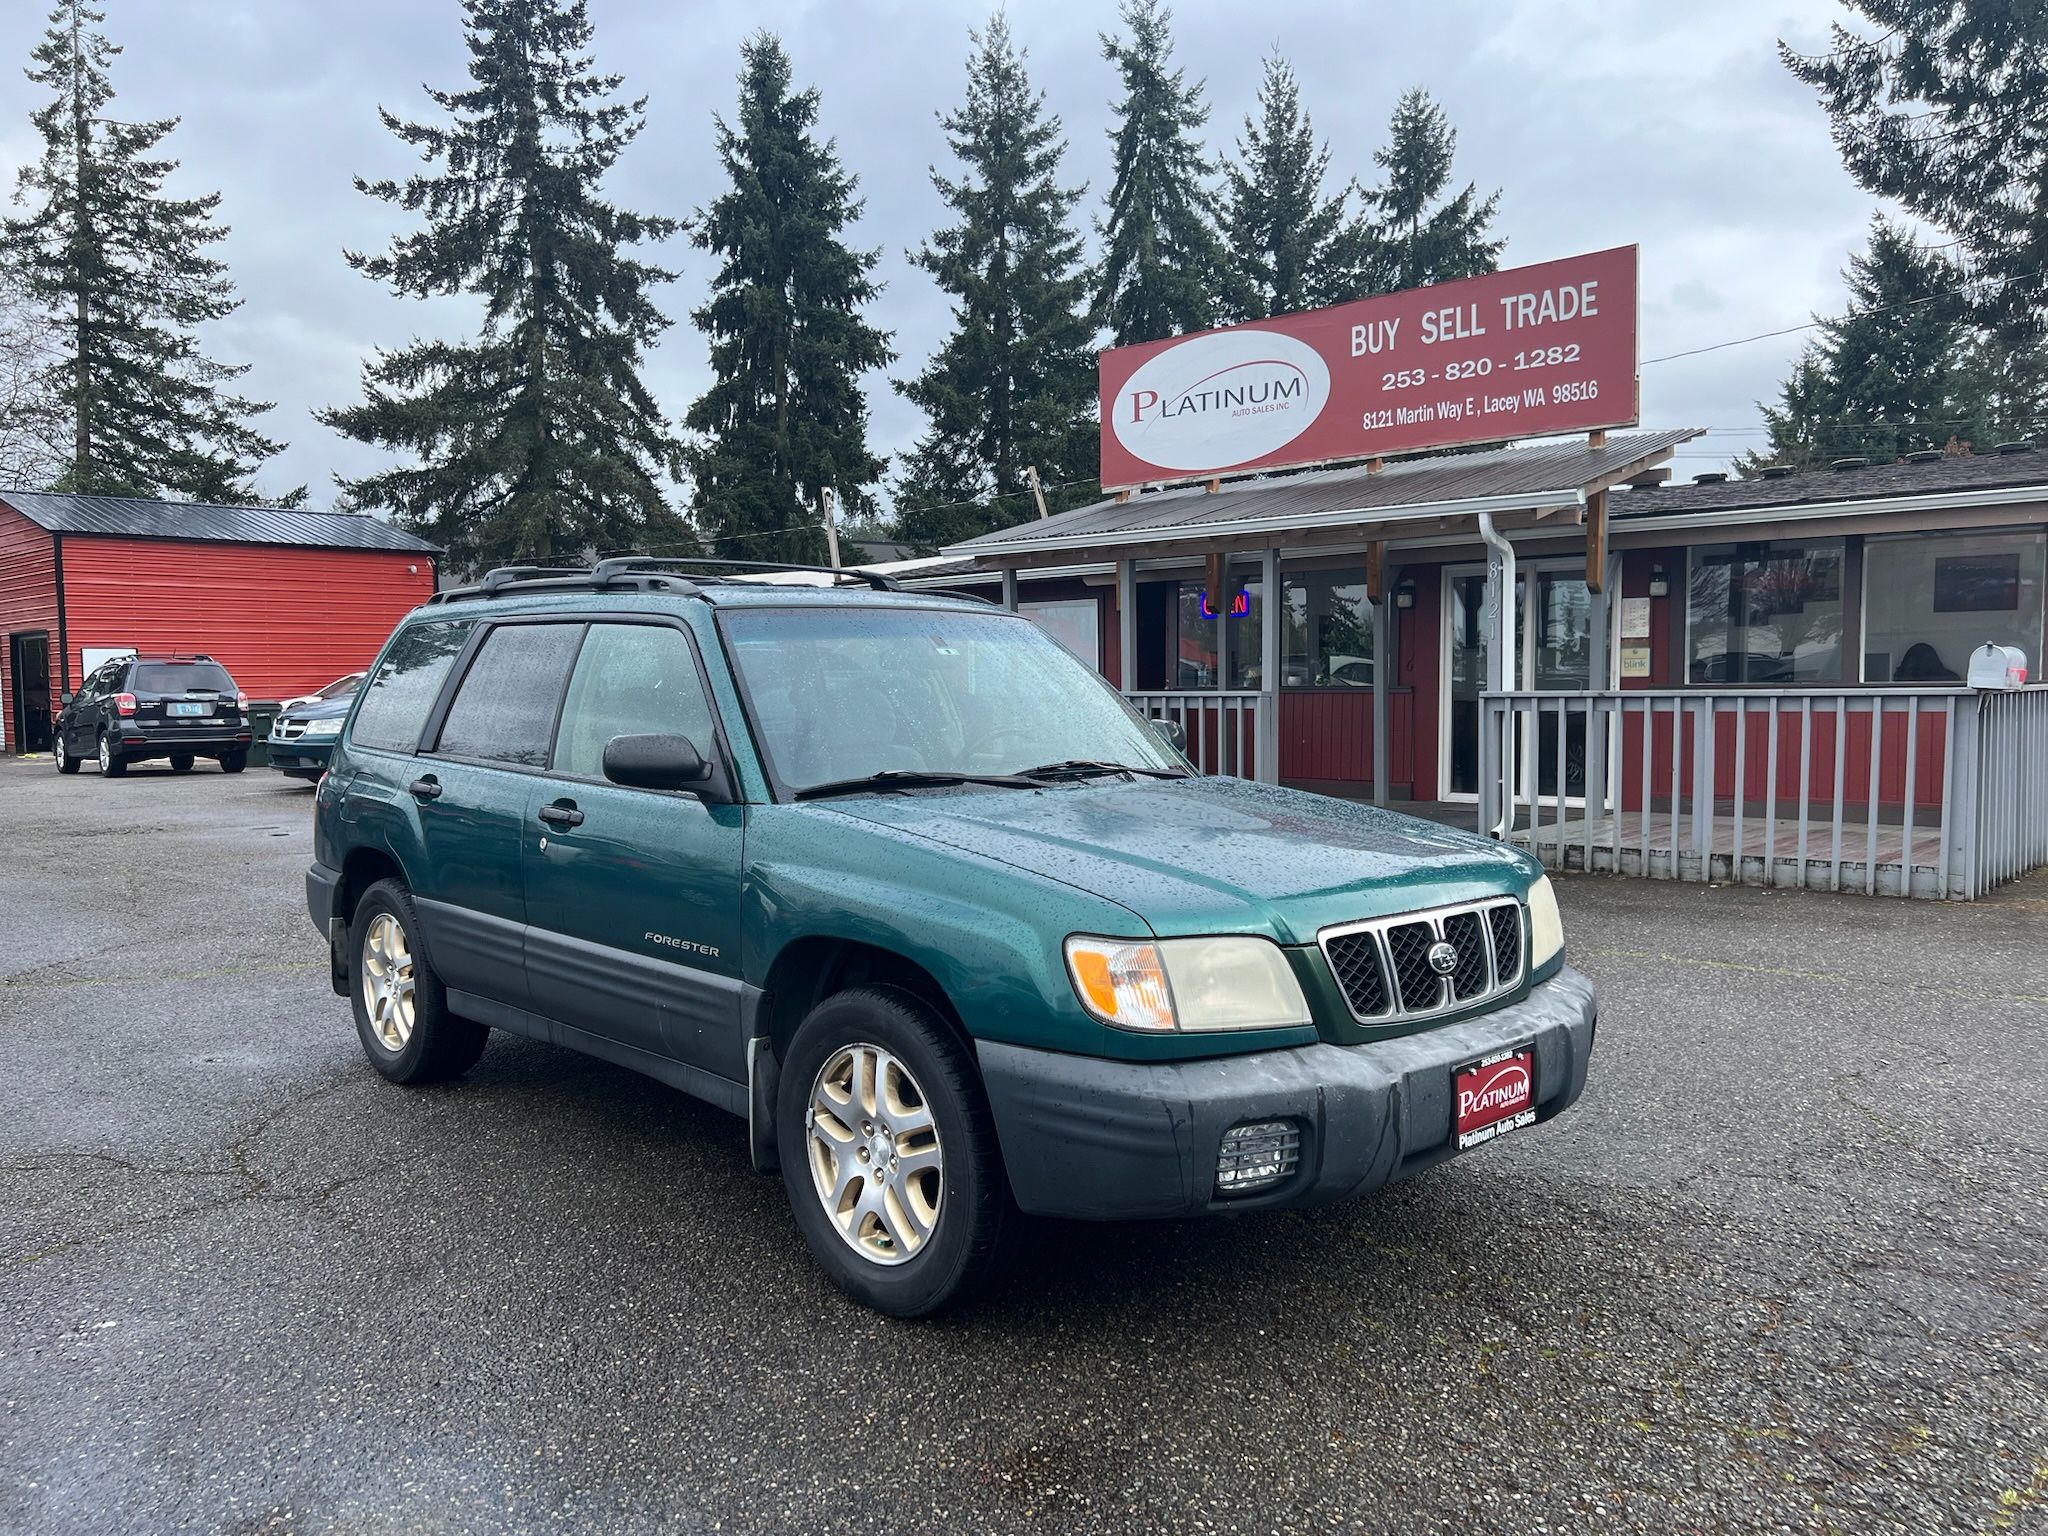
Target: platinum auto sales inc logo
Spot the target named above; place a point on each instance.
(1213, 402)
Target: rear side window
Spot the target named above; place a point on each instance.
(395, 705)
(631, 680)
(182, 677)
(504, 712)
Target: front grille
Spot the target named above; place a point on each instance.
(1386, 971)
(287, 730)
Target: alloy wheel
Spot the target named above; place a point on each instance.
(106, 756)
(875, 1158)
(387, 981)
(61, 758)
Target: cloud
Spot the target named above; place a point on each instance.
(1601, 121)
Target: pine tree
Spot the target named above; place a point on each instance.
(1887, 377)
(785, 419)
(1292, 246)
(1163, 268)
(126, 274)
(537, 439)
(1422, 236)
(1014, 386)
(34, 432)
(1942, 110)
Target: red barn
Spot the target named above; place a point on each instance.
(285, 601)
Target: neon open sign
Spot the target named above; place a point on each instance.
(1240, 604)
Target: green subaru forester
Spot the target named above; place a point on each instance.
(904, 883)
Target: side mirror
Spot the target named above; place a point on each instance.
(1173, 733)
(655, 762)
(66, 698)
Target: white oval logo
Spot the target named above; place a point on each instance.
(1215, 402)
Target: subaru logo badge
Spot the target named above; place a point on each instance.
(1443, 957)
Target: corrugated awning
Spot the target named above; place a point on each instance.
(1353, 502)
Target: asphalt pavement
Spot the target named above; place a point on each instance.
(1784, 1268)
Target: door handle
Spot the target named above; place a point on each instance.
(561, 815)
(428, 788)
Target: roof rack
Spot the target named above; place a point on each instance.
(618, 565)
(645, 573)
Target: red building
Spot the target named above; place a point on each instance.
(286, 601)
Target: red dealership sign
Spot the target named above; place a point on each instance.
(1540, 349)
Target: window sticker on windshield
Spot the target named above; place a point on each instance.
(939, 645)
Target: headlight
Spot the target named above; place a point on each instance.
(1187, 984)
(1546, 927)
(323, 727)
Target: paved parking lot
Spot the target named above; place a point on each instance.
(1783, 1269)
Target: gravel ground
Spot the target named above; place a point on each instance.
(1781, 1270)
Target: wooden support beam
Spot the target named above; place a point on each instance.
(1596, 541)
(1213, 572)
(1374, 466)
(1597, 438)
(1213, 485)
(1376, 570)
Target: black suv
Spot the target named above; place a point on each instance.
(137, 707)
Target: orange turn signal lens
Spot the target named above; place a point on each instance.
(1121, 982)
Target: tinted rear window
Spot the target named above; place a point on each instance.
(181, 677)
(504, 711)
(395, 705)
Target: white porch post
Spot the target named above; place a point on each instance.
(1497, 757)
(1271, 664)
(1010, 588)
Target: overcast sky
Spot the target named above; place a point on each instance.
(1602, 122)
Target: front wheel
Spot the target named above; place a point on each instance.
(401, 1006)
(66, 763)
(112, 763)
(889, 1153)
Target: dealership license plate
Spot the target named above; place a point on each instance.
(1495, 1095)
(189, 711)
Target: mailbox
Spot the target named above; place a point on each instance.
(1998, 666)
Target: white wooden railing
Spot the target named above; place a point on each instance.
(1231, 733)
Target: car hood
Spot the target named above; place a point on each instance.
(320, 709)
(1212, 855)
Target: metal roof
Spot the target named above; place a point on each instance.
(1543, 476)
(1963, 472)
(133, 518)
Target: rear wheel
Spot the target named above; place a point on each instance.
(235, 761)
(66, 763)
(889, 1153)
(181, 762)
(112, 763)
(401, 1007)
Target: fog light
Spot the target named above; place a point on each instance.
(1256, 1154)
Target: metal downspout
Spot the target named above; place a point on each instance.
(1501, 671)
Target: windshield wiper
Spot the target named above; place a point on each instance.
(1088, 768)
(910, 778)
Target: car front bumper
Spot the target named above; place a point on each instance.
(303, 757)
(1112, 1140)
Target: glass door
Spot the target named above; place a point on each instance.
(1553, 620)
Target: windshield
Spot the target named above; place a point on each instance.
(844, 693)
(341, 687)
(182, 677)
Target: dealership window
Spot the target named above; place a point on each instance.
(1075, 622)
(1325, 632)
(1931, 599)
(1765, 613)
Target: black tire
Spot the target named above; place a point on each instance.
(440, 1044)
(973, 1208)
(112, 763)
(66, 763)
(181, 762)
(233, 762)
